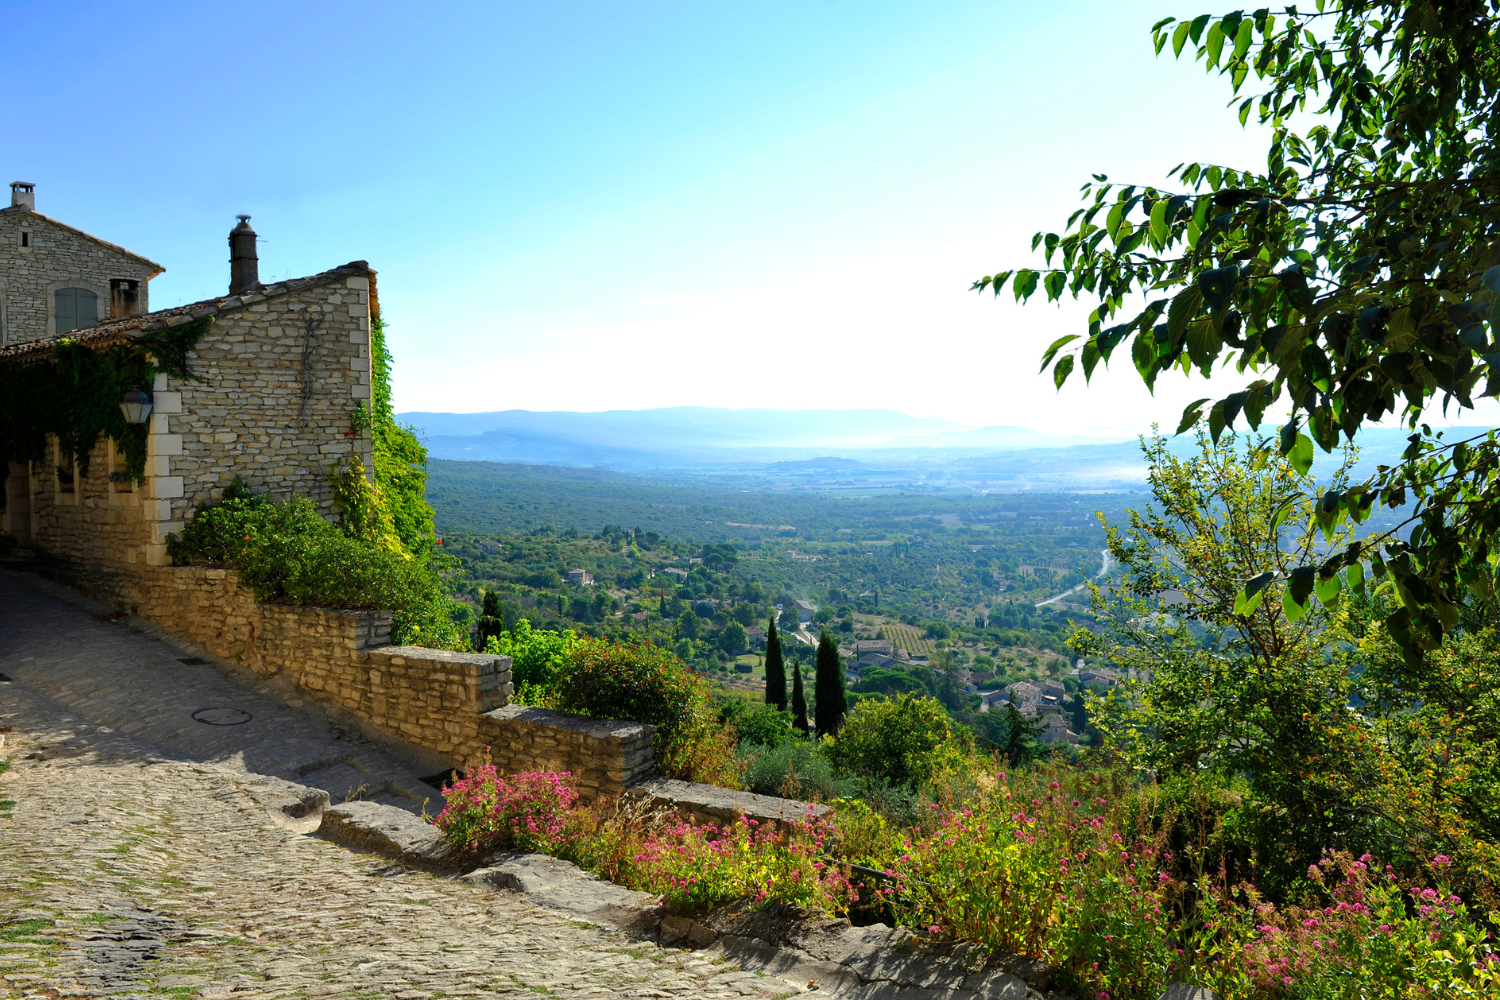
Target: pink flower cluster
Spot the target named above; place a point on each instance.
(696, 866)
(487, 811)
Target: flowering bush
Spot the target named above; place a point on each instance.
(695, 867)
(486, 811)
(1412, 940)
(1036, 871)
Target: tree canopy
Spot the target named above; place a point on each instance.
(1354, 278)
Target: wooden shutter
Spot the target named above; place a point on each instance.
(67, 310)
(75, 307)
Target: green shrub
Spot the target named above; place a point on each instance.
(645, 683)
(902, 741)
(287, 552)
(765, 725)
(794, 769)
(536, 657)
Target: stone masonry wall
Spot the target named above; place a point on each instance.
(282, 373)
(58, 257)
(604, 757)
(431, 698)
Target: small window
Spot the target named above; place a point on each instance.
(76, 307)
(25, 240)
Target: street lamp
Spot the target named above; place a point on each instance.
(136, 406)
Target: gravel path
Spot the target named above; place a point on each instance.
(132, 863)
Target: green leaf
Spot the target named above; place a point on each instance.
(1356, 575)
(1295, 596)
(1184, 306)
(1062, 371)
(1143, 352)
(1251, 594)
(1054, 283)
(1057, 345)
(1329, 590)
(998, 281)
(1191, 415)
(1215, 43)
(1294, 612)
(1242, 38)
(1216, 421)
(1159, 226)
(1025, 284)
(1179, 37)
(1302, 454)
(1255, 402)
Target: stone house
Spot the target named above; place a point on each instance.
(580, 577)
(55, 278)
(278, 376)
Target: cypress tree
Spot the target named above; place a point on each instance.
(491, 620)
(799, 700)
(775, 668)
(828, 688)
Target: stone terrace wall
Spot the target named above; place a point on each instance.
(432, 698)
(604, 757)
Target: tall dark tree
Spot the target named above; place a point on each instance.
(799, 700)
(828, 688)
(1080, 716)
(775, 668)
(1020, 736)
(491, 620)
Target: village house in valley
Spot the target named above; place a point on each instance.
(276, 376)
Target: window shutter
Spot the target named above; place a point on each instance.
(67, 314)
(76, 307)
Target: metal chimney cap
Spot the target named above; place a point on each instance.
(244, 222)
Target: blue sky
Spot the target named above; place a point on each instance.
(583, 206)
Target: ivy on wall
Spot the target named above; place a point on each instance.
(74, 391)
(400, 457)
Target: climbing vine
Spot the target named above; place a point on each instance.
(400, 457)
(73, 393)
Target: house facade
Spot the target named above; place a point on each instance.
(277, 377)
(55, 279)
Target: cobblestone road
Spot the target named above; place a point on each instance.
(131, 863)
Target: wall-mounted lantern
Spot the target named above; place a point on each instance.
(136, 406)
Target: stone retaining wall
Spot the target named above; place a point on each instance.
(604, 757)
(429, 697)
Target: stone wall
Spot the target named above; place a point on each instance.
(56, 256)
(431, 698)
(282, 368)
(604, 757)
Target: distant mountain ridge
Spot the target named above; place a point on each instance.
(673, 436)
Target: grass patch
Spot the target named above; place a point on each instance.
(24, 929)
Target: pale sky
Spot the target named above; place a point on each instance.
(587, 206)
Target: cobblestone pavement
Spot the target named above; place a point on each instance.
(131, 863)
(119, 672)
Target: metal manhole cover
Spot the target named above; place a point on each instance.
(222, 716)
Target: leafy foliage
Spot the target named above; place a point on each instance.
(641, 682)
(74, 393)
(400, 457)
(1356, 277)
(829, 700)
(288, 552)
(537, 656)
(902, 741)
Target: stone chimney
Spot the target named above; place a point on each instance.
(23, 195)
(244, 265)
